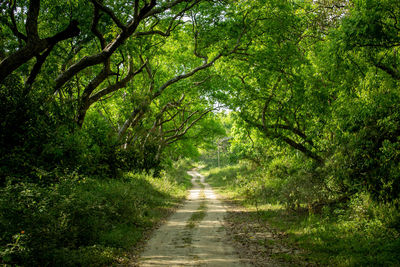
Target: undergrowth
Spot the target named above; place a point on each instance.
(359, 232)
(82, 221)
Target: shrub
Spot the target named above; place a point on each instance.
(80, 221)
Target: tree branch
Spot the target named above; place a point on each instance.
(85, 98)
(303, 149)
(135, 116)
(114, 87)
(40, 59)
(165, 7)
(186, 75)
(31, 25)
(286, 139)
(71, 31)
(171, 26)
(34, 46)
(109, 12)
(13, 25)
(173, 139)
(196, 34)
(100, 57)
(93, 28)
(182, 125)
(389, 70)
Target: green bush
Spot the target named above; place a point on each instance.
(81, 221)
(177, 171)
(357, 232)
(291, 181)
(367, 156)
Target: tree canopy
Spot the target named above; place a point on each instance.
(144, 76)
(305, 91)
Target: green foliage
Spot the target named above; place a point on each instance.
(81, 221)
(288, 181)
(25, 130)
(370, 157)
(313, 120)
(362, 232)
(371, 24)
(177, 171)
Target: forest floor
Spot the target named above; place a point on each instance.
(195, 235)
(258, 241)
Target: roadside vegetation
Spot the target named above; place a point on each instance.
(83, 221)
(358, 232)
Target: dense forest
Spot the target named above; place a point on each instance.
(292, 106)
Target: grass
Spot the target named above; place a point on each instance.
(338, 237)
(82, 221)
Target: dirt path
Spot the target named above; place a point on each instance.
(194, 235)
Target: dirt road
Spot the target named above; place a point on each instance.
(194, 235)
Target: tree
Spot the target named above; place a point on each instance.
(272, 79)
(106, 45)
(34, 45)
(115, 59)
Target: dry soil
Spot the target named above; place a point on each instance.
(194, 235)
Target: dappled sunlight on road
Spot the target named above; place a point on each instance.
(187, 240)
